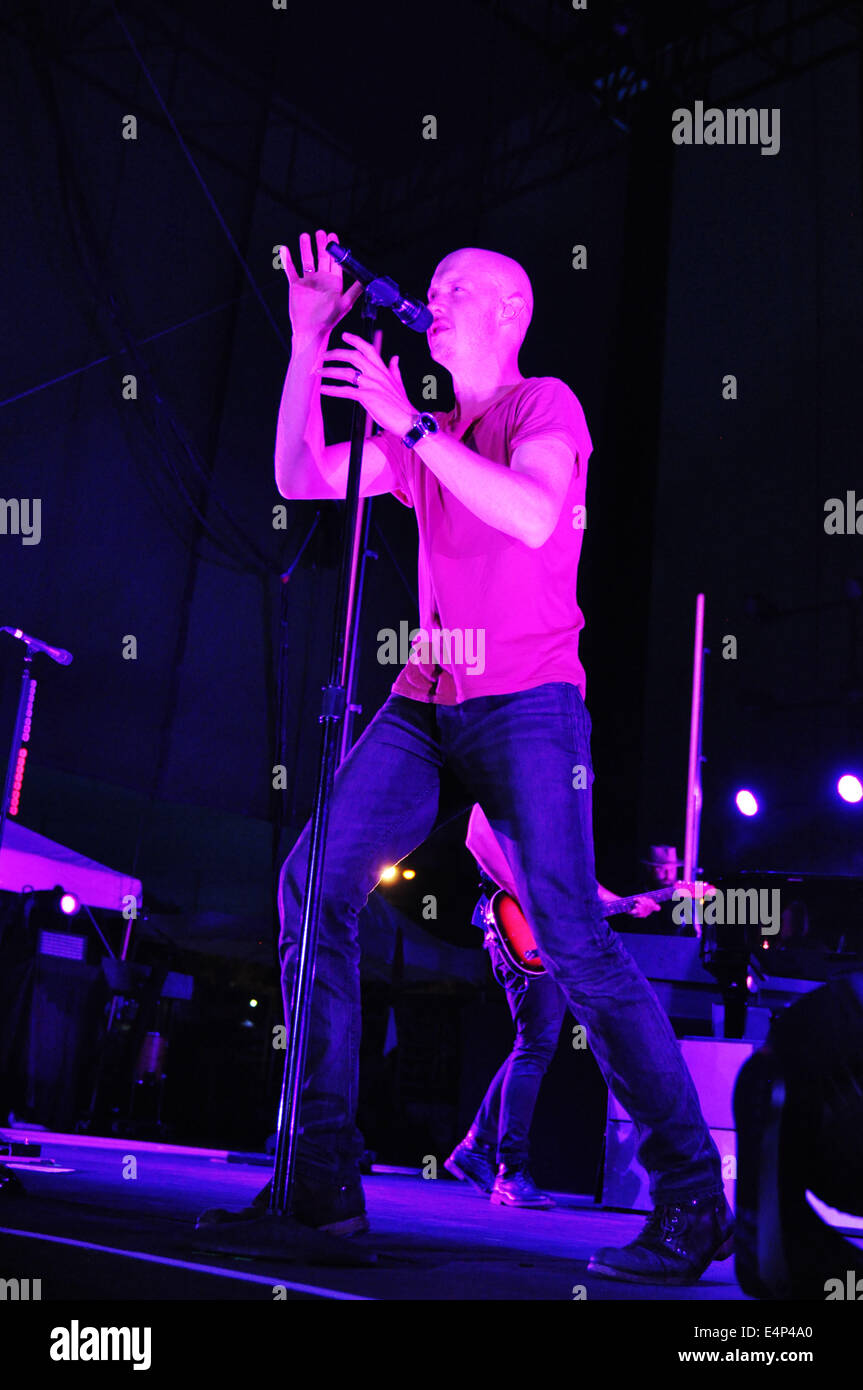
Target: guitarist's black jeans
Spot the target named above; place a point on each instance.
(504, 1119)
(525, 758)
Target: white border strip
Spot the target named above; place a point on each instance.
(269, 1280)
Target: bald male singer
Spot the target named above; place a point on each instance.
(495, 484)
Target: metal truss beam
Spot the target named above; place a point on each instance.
(605, 74)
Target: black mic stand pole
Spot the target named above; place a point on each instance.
(21, 732)
(332, 713)
(277, 1232)
(361, 556)
(12, 769)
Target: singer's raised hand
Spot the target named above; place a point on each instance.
(361, 374)
(318, 300)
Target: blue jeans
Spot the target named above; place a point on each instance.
(526, 759)
(504, 1118)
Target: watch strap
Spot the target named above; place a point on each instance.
(423, 424)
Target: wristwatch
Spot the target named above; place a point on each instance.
(423, 424)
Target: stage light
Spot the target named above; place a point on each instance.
(409, 873)
(850, 788)
(746, 803)
(390, 873)
(69, 904)
(253, 1003)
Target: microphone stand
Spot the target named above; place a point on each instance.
(21, 732)
(362, 555)
(21, 720)
(693, 771)
(277, 1233)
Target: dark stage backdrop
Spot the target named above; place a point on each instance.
(157, 510)
(765, 265)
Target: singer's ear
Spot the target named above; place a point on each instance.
(513, 306)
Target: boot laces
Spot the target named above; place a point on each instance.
(665, 1222)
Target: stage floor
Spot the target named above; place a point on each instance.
(115, 1220)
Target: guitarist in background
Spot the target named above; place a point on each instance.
(493, 1155)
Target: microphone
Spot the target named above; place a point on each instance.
(411, 312)
(55, 653)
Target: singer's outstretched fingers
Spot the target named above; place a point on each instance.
(348, 374)
(363, 347)
(370, 363)
(307, 257)
(325, 261)
(288, 265)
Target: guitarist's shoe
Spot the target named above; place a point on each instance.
(470, 1163)
(514, 1187)
(676, 1245)
(340, 1211)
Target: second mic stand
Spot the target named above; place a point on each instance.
(13, 771)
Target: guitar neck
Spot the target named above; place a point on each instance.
(657, 895)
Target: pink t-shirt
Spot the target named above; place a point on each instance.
(495, 615)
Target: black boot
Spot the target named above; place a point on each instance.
(338, 1210)
(675, 1246)
(471, 1162)
(514, 1187)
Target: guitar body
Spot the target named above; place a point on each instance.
(513, 935)
(511, 931)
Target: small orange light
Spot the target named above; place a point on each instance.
(389, 873)
(409, 873)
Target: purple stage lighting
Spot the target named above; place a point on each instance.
(746, 803)
(850, 788)
(69, 904)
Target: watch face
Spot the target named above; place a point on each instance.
(429, 422)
